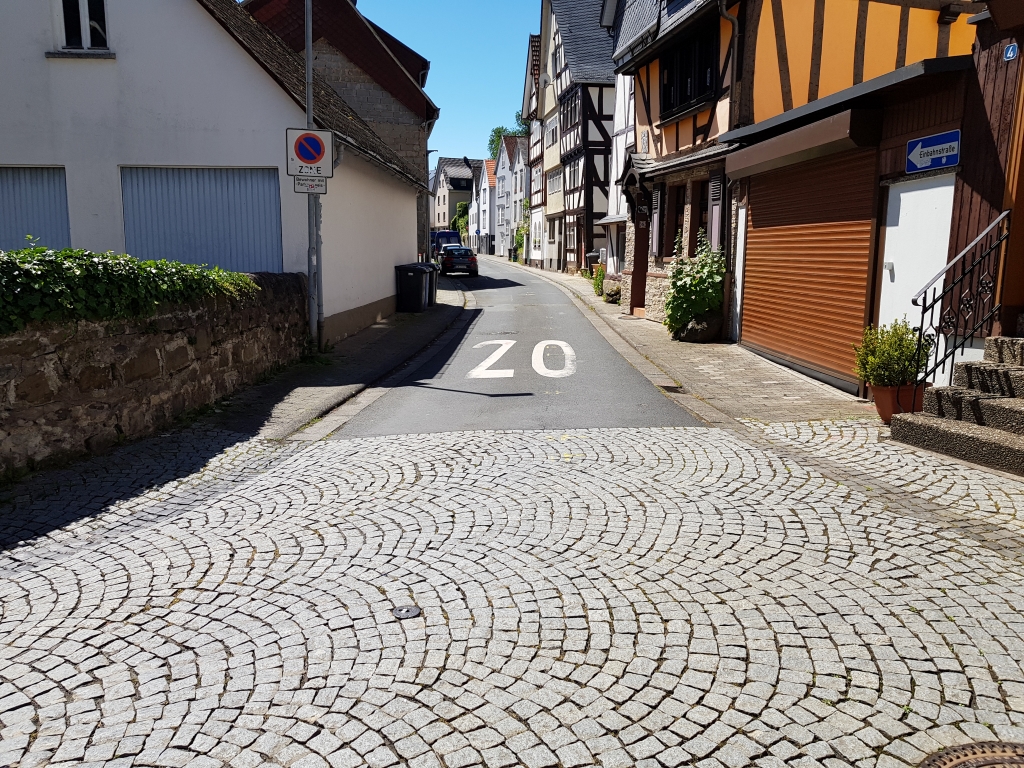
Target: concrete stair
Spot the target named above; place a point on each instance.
(981, 417)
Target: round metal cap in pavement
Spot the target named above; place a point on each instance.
(406, 612)
(985, 754)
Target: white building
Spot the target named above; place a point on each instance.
(158, 128)
(510, 172)
(623, 142)
(482, 210)
(451, 184)
(520, 182)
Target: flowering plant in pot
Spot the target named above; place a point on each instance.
(889, 360)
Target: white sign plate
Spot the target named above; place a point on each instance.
(310, 153)
(311, 185)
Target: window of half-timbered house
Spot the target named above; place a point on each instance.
(689, 72)
(570, 111)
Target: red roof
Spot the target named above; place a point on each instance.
(338, 22)
(492, 180)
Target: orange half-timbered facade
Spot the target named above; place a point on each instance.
(796, 133)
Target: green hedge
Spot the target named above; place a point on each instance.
(62, 286)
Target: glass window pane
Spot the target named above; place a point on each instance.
(97, 24)
(72, 24)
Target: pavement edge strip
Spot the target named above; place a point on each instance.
(340, 414)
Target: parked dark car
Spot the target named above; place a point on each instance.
(458, 258)
(440, 238)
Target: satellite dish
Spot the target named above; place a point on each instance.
(545, 81)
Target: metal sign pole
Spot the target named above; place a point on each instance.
(311, 203)
(319, 275)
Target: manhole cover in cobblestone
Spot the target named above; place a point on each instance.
(987, 754)
(406, 612)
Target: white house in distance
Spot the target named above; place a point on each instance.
(520, 180)
(158, 129)
(451, 184)
(511, 172)
(482, 210)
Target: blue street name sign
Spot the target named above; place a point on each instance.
(939, 151)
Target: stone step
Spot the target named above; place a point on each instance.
(957, 403)
(990, 377)
(962, 440)
(984, 409)
(1004, 349)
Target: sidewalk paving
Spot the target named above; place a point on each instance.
(732, 379)
(308, 391)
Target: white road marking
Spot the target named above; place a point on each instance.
(538, 359)
(483, 371)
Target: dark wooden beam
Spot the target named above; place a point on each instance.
(816, 44)
(861, 42)
(783, 54)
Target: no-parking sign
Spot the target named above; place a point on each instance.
(310, 153)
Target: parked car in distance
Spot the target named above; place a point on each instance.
(458, 258)
(440, 238)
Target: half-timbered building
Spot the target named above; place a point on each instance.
(796, 135)
(534, 115)
(584, 81)
(680, 58)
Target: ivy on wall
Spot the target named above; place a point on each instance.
(38, 284)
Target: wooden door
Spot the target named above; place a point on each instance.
(641, 255)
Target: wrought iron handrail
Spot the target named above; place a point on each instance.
(959, 303)
(959, 257)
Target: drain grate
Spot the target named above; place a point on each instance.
(986, 754)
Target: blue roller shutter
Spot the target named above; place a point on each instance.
(224, 217)
(33, 201)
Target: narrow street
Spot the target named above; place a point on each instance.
(597, 585)
(488, 378)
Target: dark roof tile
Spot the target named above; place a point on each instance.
(587, 45)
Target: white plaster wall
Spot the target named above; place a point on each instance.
(369, 228)
(181, 92)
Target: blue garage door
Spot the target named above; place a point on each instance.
(224, 217)
(33, 201)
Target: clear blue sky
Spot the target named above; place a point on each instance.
(477, 51)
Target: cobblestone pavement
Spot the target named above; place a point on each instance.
(785, 594)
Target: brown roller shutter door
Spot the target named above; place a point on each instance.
(808, 257)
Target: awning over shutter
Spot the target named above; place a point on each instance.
(224, 217)
(33, 201)
(807, 266)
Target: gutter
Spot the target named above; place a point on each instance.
(724, 13)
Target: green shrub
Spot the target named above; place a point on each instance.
(585, 274)
(37, 284)
(599, 279)
(890, 356)
(696, 285)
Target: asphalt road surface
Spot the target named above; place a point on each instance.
(528, 360)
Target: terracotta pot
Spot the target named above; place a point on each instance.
(907, 398)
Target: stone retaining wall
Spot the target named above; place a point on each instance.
(82, 387)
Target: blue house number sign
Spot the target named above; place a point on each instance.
(1010, 52)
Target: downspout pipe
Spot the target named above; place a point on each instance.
(723, 11)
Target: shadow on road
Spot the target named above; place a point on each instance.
(485, 283)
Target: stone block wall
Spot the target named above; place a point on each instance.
(627, 279)
(654, 298)
(82, 387)
(395, 123)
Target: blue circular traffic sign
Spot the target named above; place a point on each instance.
(310, 149)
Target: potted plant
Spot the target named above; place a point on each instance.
(889, 360)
